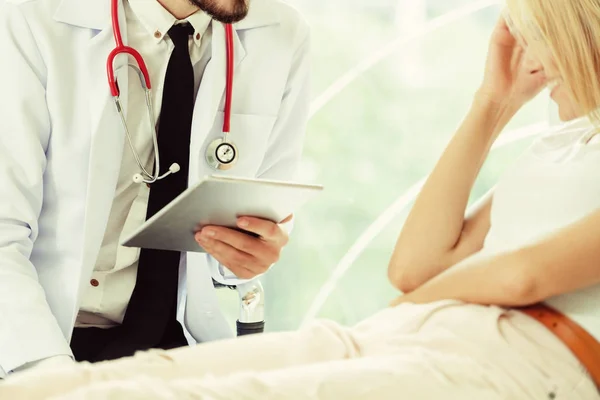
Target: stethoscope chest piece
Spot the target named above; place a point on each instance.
(221, 154)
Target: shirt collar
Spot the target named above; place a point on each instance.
(157, 20)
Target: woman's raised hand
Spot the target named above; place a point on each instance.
(513, 76)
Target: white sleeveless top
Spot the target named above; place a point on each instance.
(556, 182)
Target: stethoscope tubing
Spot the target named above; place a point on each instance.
(142, 71)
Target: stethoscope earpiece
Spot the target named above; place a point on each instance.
(174, 168)
(138, 178)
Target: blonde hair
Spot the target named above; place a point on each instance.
(569, 32)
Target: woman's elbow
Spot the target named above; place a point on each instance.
(522, 288)
(407, 272)
(401, 278)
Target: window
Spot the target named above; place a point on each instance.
(392, 81)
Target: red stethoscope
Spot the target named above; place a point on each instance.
(221, 154)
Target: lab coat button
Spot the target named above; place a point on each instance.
(94, 283)
(157, 34)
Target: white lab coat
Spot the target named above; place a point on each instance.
(61, 143)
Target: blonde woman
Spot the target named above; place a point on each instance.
(460, 330)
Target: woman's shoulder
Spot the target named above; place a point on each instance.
(569, 141)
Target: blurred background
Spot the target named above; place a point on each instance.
(392, 80)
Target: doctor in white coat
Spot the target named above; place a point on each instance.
(64, 159)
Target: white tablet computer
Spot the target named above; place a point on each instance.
(218, 200)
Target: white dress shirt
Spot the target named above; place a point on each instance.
(114, 276)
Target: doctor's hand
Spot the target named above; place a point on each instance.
(245, 255)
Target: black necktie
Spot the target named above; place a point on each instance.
(153, 303)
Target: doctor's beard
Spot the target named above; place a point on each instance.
(228, 15)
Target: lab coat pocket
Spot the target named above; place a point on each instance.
(250, 135)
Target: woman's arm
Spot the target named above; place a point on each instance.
(564, 262)
(436, 234)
